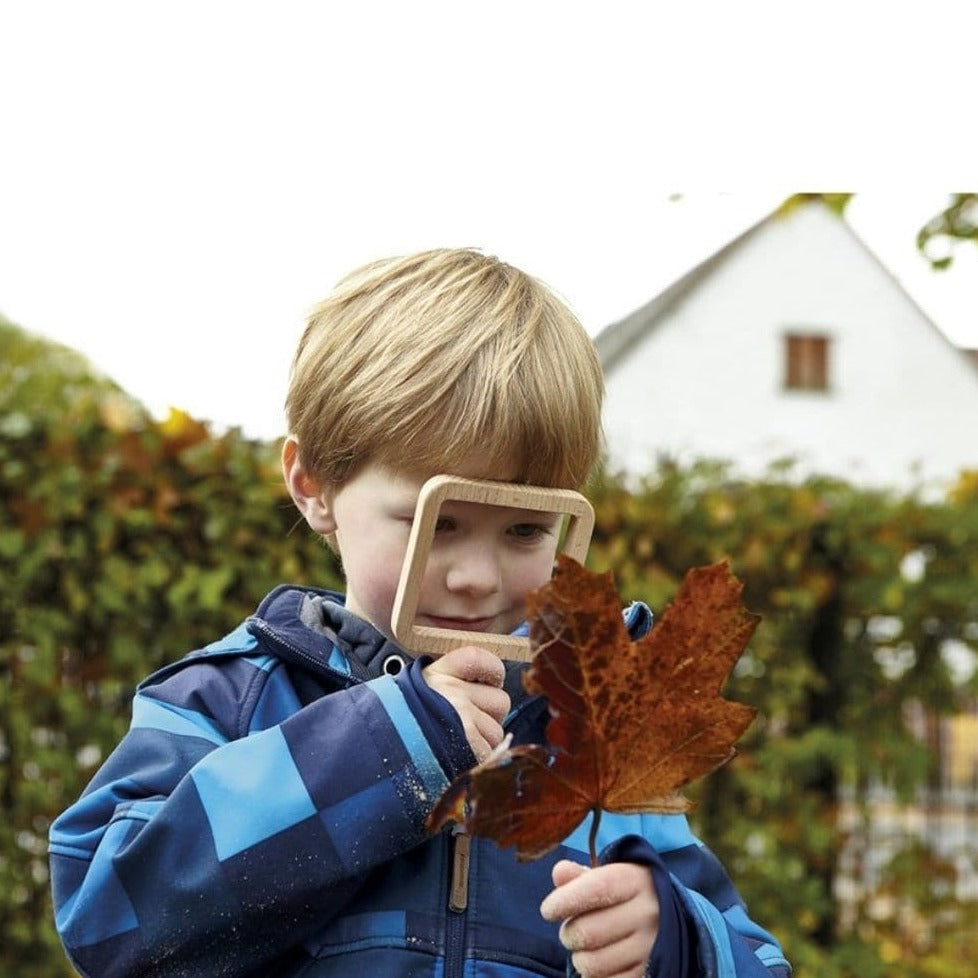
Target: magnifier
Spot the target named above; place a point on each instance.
(424, 639)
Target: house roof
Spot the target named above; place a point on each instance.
(615, 341)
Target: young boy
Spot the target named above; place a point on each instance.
(265, 813)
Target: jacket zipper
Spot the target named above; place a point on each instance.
(458, 895)
(458, 903)
(458, 887)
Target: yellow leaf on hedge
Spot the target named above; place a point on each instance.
(181, 429)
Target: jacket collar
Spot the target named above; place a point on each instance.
(312, 628)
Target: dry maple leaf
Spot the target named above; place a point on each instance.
(630, 722)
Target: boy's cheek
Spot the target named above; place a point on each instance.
(541, 573)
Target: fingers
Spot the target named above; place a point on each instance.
(454, 680)
(471, 664)
(610, 917)
(487, 699)
(471, 679)
(483, 734)
(565, 871)
(626, 959)
(593, 889)
(600, 928)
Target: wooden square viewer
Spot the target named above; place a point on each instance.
(436, 491)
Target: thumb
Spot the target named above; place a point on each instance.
(565, 871)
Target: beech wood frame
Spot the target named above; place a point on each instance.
(437, 490)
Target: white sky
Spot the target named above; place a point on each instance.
(180, 182)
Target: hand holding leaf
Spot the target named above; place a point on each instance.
(630, 724)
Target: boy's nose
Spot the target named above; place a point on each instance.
(474, 570)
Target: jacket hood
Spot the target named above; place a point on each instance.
(311, 628)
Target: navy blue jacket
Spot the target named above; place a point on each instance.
(264, 815)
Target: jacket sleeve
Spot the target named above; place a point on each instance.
(203, 848)
(704, 928)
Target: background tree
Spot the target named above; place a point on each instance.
(958, 222)
(937, 240)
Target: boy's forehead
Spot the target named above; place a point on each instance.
(403, 489)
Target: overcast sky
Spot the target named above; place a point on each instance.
(180, 182)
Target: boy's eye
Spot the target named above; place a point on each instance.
(529, 531)
(445, 524)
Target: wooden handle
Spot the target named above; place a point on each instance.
(438, 641)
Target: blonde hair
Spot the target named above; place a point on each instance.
(415, 362)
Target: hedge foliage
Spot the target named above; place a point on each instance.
(126, 541)
(864, 596)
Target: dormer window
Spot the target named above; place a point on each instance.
(806, 362)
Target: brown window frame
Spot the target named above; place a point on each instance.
(806, 361)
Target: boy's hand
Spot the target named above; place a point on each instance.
(471, 679)
(610, 917)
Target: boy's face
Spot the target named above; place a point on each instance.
(483, 561)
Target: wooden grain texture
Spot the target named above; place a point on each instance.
(434, 493)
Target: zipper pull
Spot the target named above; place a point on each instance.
(458, 898)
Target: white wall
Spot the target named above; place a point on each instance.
(707, 379)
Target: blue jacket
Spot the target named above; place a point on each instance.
(264, 816)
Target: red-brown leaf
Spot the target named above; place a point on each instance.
(630, 724)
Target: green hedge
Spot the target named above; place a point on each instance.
(861, 593)
(126, 541)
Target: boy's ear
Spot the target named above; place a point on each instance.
(315, 503)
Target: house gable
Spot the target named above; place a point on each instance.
(700, 370)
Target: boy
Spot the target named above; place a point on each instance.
(265, 813)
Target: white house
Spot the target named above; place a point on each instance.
(792, 341)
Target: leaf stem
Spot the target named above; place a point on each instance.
(593, 836)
